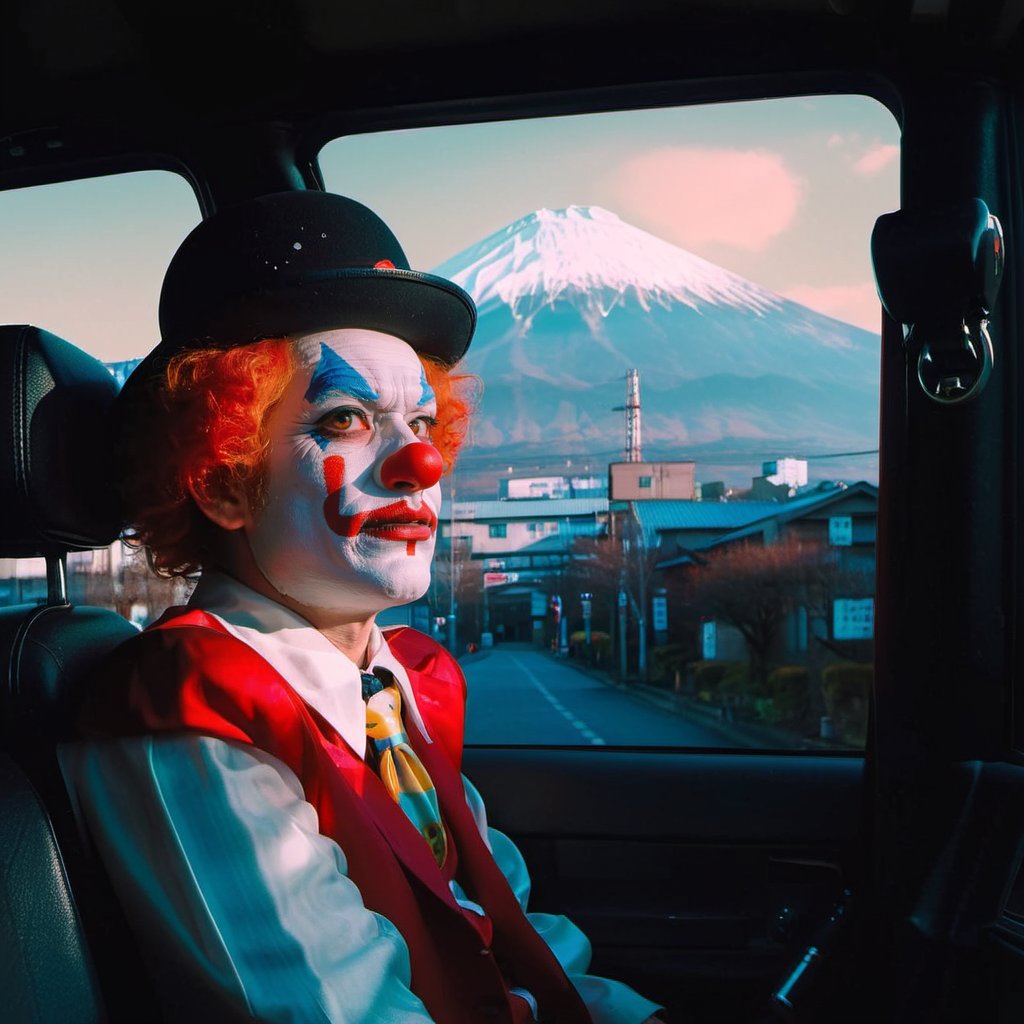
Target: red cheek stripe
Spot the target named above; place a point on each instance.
(334, 473)
(334, 477)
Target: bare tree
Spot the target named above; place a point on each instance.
(455, 573)
(754, 586)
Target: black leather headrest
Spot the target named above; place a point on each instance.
(55, 473)
(53, 652)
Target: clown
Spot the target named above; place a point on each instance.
(273, 782)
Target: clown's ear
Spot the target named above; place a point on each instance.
(220, 497)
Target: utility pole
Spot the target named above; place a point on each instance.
(634, 446)
(622, 626)
(641, 613)
(626, 596)
(451, 572)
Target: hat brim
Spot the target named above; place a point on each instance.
(431, 314)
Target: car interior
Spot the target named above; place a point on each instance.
(881, 884)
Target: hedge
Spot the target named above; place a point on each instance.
(789, 692)
(846, 686)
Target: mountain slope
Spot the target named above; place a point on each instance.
(571, 299)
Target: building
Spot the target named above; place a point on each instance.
(780, 480)
(530, 487)
(513, 553)
(837, 525)
(651, 481)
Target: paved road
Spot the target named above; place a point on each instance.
(518, 694)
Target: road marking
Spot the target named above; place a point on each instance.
(584, 730)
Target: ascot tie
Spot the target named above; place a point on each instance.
(401, 771)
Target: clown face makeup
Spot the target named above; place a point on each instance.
(352, 480)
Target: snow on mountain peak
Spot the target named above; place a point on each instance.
(586, 252)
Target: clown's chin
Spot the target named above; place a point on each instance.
(351, 578)
(406, 588)
(358, 596)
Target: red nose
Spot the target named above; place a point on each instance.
(414, 467)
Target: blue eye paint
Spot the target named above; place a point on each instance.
(333, 374)
(321, 439)
(426, 391)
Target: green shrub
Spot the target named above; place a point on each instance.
(738, 686)
(846, 687)
(600, 643)
(789, 696)
(667, 660)
(708, 674)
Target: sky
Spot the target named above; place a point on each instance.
(783, 192)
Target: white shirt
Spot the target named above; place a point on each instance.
(244, 910)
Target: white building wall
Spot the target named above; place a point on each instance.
(790, 472)
(518, 534)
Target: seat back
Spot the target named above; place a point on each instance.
(66, 952)
(48, 972)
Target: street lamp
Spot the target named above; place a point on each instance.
(561, 633)
(586, 601)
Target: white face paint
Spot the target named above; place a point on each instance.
(332, 536)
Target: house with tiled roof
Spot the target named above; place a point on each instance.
(838, 521)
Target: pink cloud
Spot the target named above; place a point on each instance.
(876, 159)
(852, 303)
(696, 196)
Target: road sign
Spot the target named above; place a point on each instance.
(708, 640)
(659, 614)
(853, 619)
(497, 579)
(840, 531)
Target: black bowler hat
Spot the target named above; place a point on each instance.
(296, 263)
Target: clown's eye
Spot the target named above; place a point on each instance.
(422, 425)
(343, 421)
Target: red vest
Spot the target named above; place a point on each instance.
(186, 673)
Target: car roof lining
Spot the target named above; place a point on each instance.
(108, 81)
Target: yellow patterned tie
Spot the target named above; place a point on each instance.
(401, 771)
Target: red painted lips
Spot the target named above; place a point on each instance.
(397, 521)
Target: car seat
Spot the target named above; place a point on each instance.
(66, 954)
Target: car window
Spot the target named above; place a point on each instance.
(662, 531)
(85, 261)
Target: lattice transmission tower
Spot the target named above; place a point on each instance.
(634, 448)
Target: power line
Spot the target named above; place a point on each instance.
(842, 455)
(578, 460)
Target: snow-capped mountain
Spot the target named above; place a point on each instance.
(554, 254)
(571, 299)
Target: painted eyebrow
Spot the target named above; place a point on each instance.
(426, 391)
(333, 374)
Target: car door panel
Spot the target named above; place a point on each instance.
(696, 876)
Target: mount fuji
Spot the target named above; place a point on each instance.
(730, 372)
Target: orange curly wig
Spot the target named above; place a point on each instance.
(203, 423)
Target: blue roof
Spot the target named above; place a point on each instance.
(657, 516)
(782, 511)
